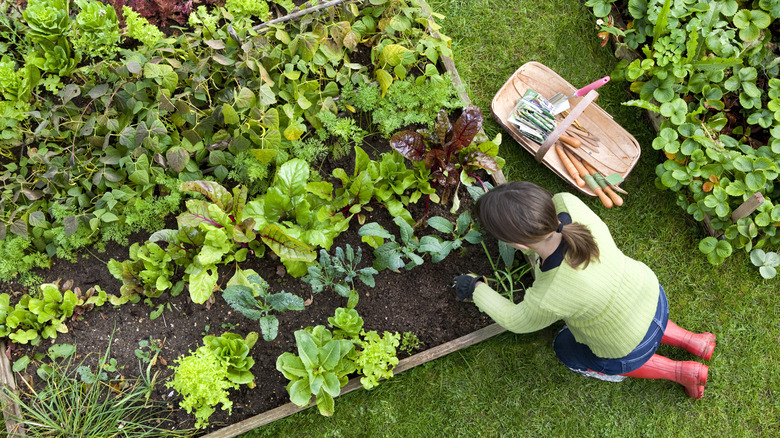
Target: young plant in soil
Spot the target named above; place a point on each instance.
(248, 294)
(392, 254)
(339, 272)
(204, 377)
(325, 359)
(462, 231)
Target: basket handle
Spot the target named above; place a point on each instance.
(564, 125)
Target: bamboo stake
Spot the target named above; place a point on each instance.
(299, 14)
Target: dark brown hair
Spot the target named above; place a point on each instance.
(522, 212)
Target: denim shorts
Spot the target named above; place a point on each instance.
(578, 356)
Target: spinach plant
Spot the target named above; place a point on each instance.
(462, 231)
(392, 254)
(250, 296)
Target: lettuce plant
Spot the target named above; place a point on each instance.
(250, 296)
(97, 29)
(233, 350)
(48, 19)
(42, 316)
(376, 357)
(319, 369)
(140, 29)
(204, 377)
(347, 323)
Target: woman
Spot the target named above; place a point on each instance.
(615, 311)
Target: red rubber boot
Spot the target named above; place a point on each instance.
(691, 375)
(699, 344)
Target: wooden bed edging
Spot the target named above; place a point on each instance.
(405, 364)
(11, 410)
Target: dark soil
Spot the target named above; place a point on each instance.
(420, 301)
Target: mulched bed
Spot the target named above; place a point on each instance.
(420, 301)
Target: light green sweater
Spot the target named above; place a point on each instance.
(608, 306)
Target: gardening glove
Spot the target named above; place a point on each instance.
(464, 285)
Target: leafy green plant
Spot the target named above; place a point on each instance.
(462, 231)
(48, 20)
(140, 29)
(392, 254)
(147, 272)
(250, 296)
(376, 357)
(447, 150)
(43, 315)
(347, 323)
(320, 369)
(339, 272)
(204, 377)
(766, 262)
(98, 29)
(410, 343)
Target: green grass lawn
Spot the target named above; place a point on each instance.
(512, 385)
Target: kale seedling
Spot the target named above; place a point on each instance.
(391, 255)
(252, 298)
(339, 272)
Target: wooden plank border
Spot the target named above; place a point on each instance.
(410, 362)
(11, 409)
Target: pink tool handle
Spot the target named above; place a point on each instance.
(586, 89)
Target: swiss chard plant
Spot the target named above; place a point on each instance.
(448, 151)
(709, 70)
(249, 294)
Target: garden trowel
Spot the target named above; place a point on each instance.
(560, 102)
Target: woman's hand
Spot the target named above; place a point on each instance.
(465, 284)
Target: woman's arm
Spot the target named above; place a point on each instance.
(524, 317)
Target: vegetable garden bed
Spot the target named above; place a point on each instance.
(418, 301)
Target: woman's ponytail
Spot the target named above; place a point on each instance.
(581, 247)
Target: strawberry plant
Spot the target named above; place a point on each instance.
(709, 70)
